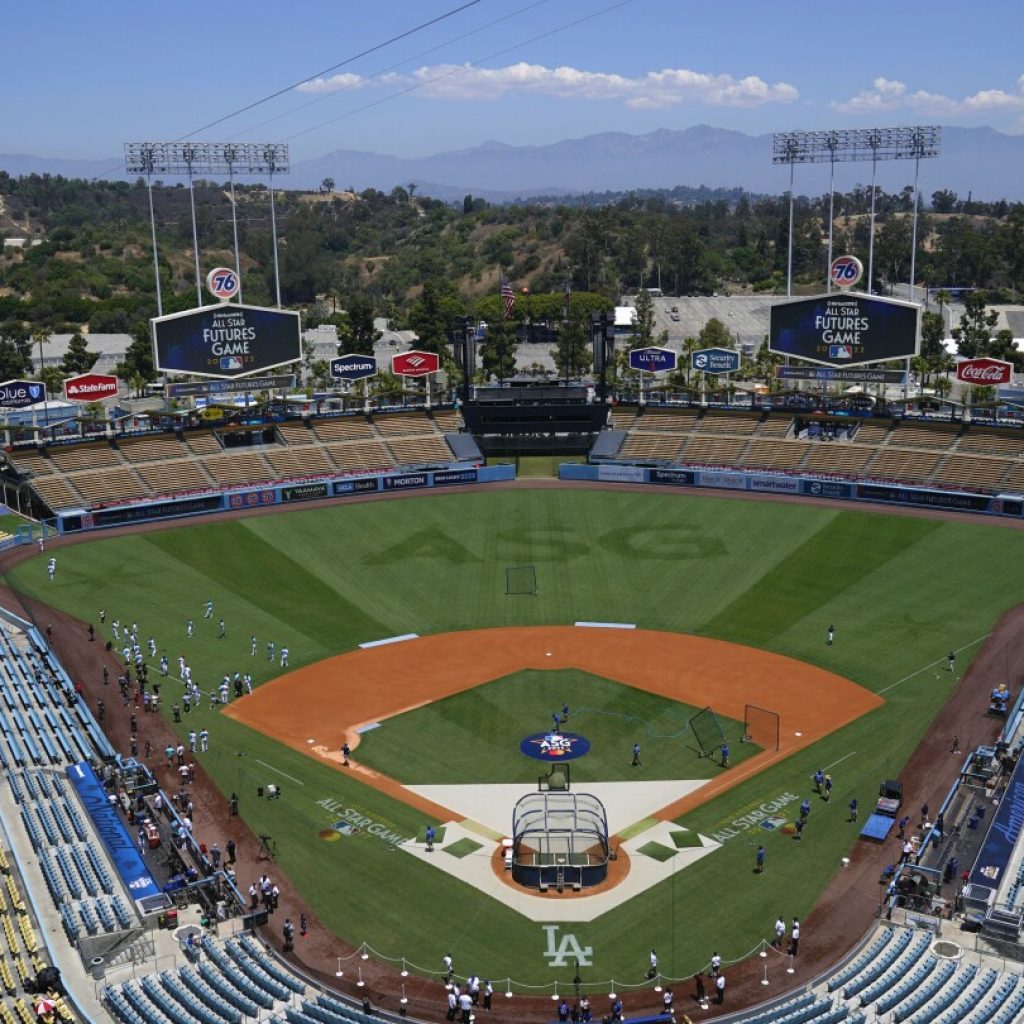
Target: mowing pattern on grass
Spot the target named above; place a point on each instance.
(474, 736)
(901, 591)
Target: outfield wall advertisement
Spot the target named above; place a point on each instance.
(766, 483)
(844, 329)
(248, 498)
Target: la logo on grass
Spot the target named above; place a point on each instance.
(567, 951)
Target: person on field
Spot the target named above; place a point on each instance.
(636, 756)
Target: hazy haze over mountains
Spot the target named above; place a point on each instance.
(981, 161)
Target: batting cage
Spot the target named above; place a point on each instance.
(707, 732)
(559, 839)
(521, 579)
(761, 726)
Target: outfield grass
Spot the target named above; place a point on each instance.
(901, 592)
(475, 735)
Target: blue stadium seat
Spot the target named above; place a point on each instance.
(871, 989)
(268, 963)
(228, 1012)
(938, 1000)
(224, 979)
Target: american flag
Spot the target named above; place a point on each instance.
(508, 297)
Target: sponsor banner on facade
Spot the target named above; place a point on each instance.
(251, 499)
(678, 477)
(405, 481)
(355, 486)
(91, 387)
(728, 481)
(621, 474)
(826, 489)
(304, 492)
(444, 477)
(16, 394)
(838, 375)
(931, 499)
(775, 484)
(141, 513)
(242, 386)
(652, 360)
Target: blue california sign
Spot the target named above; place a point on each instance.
(353, 367)
(652, 360)
(715, 360)
(16, 394)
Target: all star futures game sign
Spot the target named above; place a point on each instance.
(845, 329)
(226, 340)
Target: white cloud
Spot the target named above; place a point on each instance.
(336, 83)
(888, 94)
(666, 88)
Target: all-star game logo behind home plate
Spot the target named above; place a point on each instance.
(555, 746)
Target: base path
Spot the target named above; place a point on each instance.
(335, 697)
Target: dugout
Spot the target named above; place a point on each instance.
(559, 839)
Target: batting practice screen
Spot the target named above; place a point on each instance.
(227, 340)
(761, 726)
(707, 731)
(845, 329)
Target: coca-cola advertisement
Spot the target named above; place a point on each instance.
(984, 372)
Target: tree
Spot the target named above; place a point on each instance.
(78, 358)
(327, 185)
(934, 357)
(53, 379)
(572, 352)
(361, 331)
(643, 321)
(977, 325)
(15, 350)
(138, 357)
(433, 315)
(498, 352)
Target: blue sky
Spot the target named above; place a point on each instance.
(80, 79)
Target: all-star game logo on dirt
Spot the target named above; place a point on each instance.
(555, 746)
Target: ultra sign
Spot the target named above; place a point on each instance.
(653, 360)
(353, 367)
(16, 394)
(715, 360)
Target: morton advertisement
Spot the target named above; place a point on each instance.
(226, 340)
(845, 330)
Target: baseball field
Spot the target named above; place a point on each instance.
(745, 591)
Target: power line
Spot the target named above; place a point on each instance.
(334, 67)
(392, 67)
(461, 68)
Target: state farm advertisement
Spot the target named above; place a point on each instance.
(90, 387)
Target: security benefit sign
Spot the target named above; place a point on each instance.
(845, 329)
(226, 340)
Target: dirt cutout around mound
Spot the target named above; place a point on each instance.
(368, 686)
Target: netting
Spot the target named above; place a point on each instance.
(559, 828)
(761, 726)
(521, 579)
(707, 731)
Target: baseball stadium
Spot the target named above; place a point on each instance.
(560, 740)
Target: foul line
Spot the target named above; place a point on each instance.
(389, 640)
(932, 664)
(278, 770)
(840, 761)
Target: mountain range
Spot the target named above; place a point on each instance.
(977, 161)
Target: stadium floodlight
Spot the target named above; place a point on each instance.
(208, 158)
(832, 146)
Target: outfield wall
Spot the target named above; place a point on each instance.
(236, 499)
(778, 483)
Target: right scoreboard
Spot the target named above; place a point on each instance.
(845, 329)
